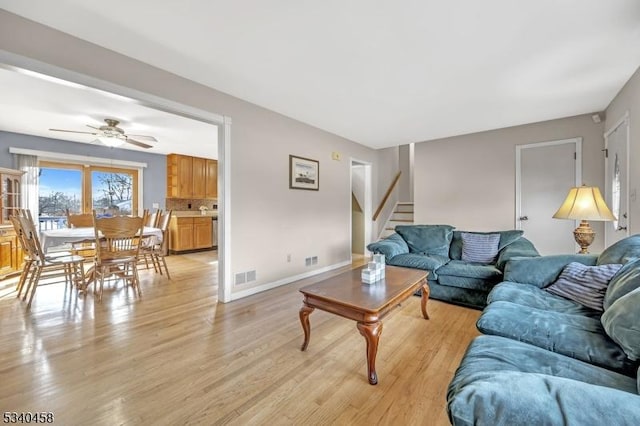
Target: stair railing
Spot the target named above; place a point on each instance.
(386, 196)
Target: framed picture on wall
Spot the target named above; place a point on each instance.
(304, 173)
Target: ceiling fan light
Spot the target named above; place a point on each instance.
(111, 141)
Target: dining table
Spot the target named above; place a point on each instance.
(59, 237)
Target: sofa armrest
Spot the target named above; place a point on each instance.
(519, 248)
(543, 270)
(391, 246)
(512, 398)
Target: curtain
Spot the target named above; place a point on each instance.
(29, 165)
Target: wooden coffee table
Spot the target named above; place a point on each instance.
(345, 295)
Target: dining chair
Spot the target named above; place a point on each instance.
(153, 219)
(157, 250)
(117, 248)
(39, 266)
(85, 249)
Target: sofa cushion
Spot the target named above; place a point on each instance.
(625, 281)
(584, 284)
(391, 246)
(461, 268)
(535, 297)
(419, 261)
(506, 238)
(622, 251)
(480, 248)
(622, 323)
(481, 284)
(427, 239)
(576, 336)
(504, 382)
(542, 271)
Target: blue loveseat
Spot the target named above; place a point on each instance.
(546, 359)
(439, 250)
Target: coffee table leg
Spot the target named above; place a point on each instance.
(371, 333)
(305, 311)
(425, 299)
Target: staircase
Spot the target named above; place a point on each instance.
(402, 215)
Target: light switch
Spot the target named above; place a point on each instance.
(335, 155)
(155, 206)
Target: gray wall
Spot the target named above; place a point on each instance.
(268, 220)
(155, 174)
(628, 99)
(469, 181)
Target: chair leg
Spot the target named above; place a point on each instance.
(164, 262)
(35, 285)
(23, 276)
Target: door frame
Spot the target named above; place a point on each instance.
(367, 208)
(19, 63)
(519, 148)
(622, 120)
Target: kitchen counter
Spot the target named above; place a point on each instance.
(195, 213)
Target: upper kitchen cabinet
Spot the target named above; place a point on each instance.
(191, 177)
(212, 179)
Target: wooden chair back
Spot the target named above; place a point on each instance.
(79, 220)
(118, 237)
(153, 220)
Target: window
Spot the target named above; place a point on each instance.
(81, 189)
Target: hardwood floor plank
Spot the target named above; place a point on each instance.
(176, 356)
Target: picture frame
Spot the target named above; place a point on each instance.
(304, 173)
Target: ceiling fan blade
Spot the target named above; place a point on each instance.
(73, 131)
(144, 137)
(93, 127)
(137, 143)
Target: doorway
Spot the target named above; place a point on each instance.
(361, 206)
(616, 169)
(544, 173)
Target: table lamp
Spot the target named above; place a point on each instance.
(584, 203)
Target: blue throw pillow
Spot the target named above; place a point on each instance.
(586, 285)
(391, 246)
(621, 321)
(427, 239)
(481, 248)
(625, 281)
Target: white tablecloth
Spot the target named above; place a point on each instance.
(58, 237)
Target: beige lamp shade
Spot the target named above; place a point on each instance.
(584, 203)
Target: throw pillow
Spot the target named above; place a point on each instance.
(586, 285)
(427, 239)
(622, 323)
(391, 246)
(481, 248)
(622, 251)
(625, 281)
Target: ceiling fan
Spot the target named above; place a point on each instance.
(112, 136)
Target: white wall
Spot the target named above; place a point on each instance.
(469, 181)
(628, 99)
(268, 220)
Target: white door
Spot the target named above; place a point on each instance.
(616, 188)
(545, 173)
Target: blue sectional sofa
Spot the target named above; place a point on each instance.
(546, 359)
(440, 249)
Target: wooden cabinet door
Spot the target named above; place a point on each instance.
(8, 250)
(202, 232)
(185, 235)
(185, 176)
(212, 179)
(199, 177)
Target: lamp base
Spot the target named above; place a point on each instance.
(584, 236)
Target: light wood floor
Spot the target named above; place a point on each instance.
(176, 356)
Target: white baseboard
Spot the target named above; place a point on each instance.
(287, 280)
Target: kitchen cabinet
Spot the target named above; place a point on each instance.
(190, 233)
(10, 250)
(212, 179)
(190, 177)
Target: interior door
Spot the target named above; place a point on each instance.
(616, 181)
(545, 173)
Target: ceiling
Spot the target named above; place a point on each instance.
(32, 104)
(380, 73)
